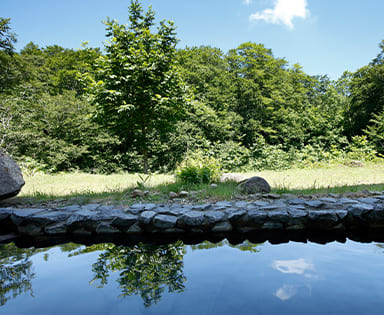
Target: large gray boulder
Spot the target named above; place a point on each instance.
(11, 179)
(254, 185)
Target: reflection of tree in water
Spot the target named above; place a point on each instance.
(15, 272)
(380, 245)
(145, 270)
(70, 247)
(244, 246)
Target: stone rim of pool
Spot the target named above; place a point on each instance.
(324, 219)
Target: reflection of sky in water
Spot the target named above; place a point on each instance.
(297, 266)
(286, 292)
(267, 279)
(300, 267)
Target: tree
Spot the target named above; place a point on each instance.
(205, 71)
(55, 69)
(10, 65)
(137, 90)
(57, 132)
(7, 37)
(375, 131)
(367, 95)
(259, 78)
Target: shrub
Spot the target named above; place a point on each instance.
(270, 157)
(30, 167)
(360, 149)
(198, 168)
(375, 131)
(232, 155)
(311, 155)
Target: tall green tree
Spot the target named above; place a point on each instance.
(367, 95)
(7, 37)
(10, 64)
(54, 69)
(375, 131)
(58, 132)
(205, 72)
(137, 90)
(258, 79)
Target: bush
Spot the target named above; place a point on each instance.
(198, 168)
(270, 157)
(375, 131)
(360, 149)
(232, 155)
(311, 155)
(30, 167)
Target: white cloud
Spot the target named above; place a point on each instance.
(283, 12)
(247, 2)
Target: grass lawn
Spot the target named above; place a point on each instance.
(117, 188)
(335, 179)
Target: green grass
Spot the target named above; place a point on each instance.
(117, 188)
(336, 179)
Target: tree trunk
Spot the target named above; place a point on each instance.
(145, 161)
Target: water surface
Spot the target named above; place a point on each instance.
(291, 278)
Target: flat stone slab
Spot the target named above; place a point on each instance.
(213, 217)
(124, 221)
(163, 221)
(146, 217)
(192, 219)
(284, 214)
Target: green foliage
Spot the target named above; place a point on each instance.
(205, 71)
(361, 149)
(57, 133)
(10, 64)
(311, 155)
(375, 131)
(366, 95)
(143, 180)
(269, 157)
(144, 270)
(198, 168)
(31, 167)
(233, 156)
(7, 37)
(150, 104)
(136, 90)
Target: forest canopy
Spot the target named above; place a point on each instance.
(141, 104)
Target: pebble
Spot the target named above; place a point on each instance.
(183, 194)
(173, 195)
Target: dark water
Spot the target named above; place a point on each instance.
(292, 278)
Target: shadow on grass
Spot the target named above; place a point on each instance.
(332, 189)
(197, 193)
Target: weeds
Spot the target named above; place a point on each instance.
(143, 180)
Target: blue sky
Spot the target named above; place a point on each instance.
(323, 36)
